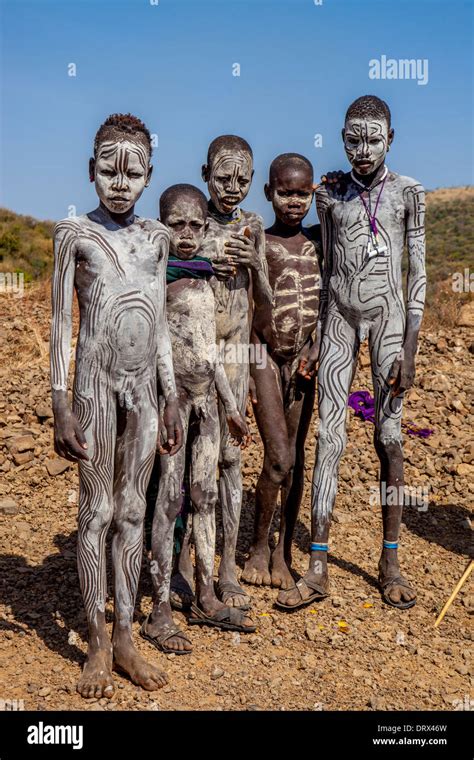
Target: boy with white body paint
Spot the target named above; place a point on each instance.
(366, 218)
(235, 244)
(116, 262)
(199, 373)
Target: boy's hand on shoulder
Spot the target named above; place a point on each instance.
(238, 430)
(335, 183)
(242, 250)
(170, 434)
(69, 439)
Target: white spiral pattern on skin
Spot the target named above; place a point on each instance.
(119, 277)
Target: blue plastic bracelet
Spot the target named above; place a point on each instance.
(390, 544)
(319, 547)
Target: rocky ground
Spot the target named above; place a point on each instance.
(350, 652)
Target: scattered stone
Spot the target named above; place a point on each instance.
(216, 673)
(8, 507)
(57, 466)
(44, 411)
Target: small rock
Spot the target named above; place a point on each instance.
(57, 466)
(44, 691)
(216, 673)
(73, 638)
(8, 507)
(22, 443)
(44, 411)
(466, 315)
(22, 457)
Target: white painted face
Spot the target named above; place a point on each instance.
(230, 176)
(122, 172)
(186, 222)
(366, 143)
(291, 193)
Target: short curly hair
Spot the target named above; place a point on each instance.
(369, 106)
(123, 124)
(227, 142)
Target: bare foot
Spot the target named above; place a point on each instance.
(256, 570)
(396, 590)
(281, 575)
(96, 679)
(303, 592)
(127, 659)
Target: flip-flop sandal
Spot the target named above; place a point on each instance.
(399, 581)
(229, 619)
(227, 587)
(319, 594)
(180, 587)
(160, 641)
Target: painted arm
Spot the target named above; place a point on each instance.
(307, 366)
(402, 374)
(262, 291)
(248, 249)
(171, 429)
(69, 439)
(237, 425)
(223, 389)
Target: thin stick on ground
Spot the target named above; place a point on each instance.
(456, 591)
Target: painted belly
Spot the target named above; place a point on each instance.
(131, 331)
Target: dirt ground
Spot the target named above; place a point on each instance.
(350, 652)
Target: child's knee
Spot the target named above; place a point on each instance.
(331, 445)
(230, 456)
(278, 465)
(101, 511)
(203, 499)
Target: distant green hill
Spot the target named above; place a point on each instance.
(26, 246)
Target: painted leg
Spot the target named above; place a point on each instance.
(270, 417)
(135, 451)
(160, 628)
(204, 459)
(385, 344)
(182, 579)
(340, 345)
(230, 483)
(96, 414)
(298, 419)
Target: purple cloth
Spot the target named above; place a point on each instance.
(364, 407)
(193, 266)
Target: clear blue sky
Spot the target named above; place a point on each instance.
(171, 65)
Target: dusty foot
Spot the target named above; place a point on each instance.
(210, 606)
(230, 593)
(127, 659)
(166, 633)
(181, 592)
(281, 575)
(293, 596)
(256, 570)
(401, 592)
(96, 679)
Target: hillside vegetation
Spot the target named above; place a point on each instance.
(26, 243)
